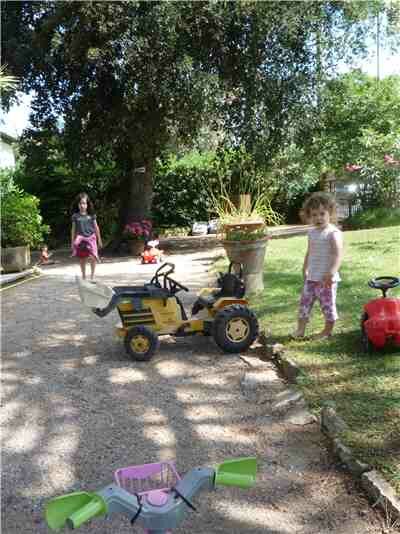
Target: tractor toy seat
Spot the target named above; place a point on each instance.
(205, 302)
(230, 285)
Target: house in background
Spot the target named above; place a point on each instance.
(345, 195)
(7, 151)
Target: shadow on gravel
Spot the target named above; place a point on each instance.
(76, 408)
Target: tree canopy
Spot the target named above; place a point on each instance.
(118, 79)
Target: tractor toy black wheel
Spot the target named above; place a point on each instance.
(141, 343)
(365, 342)
(235, 328)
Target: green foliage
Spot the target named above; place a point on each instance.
(245, 235)
(360, 125)
(241, 195)
(374, 218)
(21, 222)
(379, 180)
(199, 186)
(7, 81)
(45, 171)
(179, 194)
(293, 174)
(127, 77)
(352, 104)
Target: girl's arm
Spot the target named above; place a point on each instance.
(337, 255)
(98, 236)
(72, 234)
(337, 247)
(305, 263)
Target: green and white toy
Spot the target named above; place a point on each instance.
(151, 495)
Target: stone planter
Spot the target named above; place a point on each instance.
(251, 255)
(136, 246)
(15, 259)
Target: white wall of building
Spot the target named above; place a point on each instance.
(7, 158)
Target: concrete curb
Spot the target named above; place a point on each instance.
(378, 490)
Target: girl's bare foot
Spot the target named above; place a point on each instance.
(297, 335)
(322, 335)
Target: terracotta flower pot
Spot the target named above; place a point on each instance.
(251, 255)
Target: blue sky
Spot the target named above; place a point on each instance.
(18, 117)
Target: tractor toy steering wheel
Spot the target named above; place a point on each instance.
(171, 285)
(384, 283)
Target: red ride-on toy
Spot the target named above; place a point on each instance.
(380, 322)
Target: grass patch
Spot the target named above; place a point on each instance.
(364, 389)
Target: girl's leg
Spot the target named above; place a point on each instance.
(306, 303)
(92, 260)
(301, 327)
(327, 299)
(82, 263)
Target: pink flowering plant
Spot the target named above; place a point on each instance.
(377, 170)
(138, 230)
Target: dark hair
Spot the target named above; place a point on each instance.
(320, 199)
(78, 198)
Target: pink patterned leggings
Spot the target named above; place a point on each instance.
(313, 291)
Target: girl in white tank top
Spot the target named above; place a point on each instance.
(321, 264)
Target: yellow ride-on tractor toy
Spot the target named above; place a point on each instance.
(154, 309)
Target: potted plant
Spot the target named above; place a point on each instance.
(243, 220)
(136, 233)
(21, 225)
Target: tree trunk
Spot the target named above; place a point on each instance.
(136, 195)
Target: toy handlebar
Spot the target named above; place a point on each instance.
(158, 511)
(96, 506)
(384, 283)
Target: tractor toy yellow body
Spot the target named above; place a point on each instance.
(154, 309)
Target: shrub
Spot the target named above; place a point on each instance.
(373, 218)
(21, 222)
(179, 193)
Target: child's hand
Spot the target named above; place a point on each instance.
(327, 280)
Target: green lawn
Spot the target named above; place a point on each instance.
(364, 389)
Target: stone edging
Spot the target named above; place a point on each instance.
(374, 485)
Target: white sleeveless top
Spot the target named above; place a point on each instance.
(321, 253)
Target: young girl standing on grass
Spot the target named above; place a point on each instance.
(85, 234)
(321, 264)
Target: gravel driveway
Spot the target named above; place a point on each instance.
(75, 408)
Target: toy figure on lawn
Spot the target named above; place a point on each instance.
(152, 254)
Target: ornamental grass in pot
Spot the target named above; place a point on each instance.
(244, 220)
